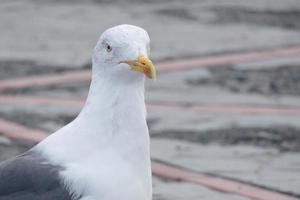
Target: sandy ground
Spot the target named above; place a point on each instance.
(50, 37)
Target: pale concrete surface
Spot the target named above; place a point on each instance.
(64, 32)
(164, 190)
(261, 166)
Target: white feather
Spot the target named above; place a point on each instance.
(105, 150)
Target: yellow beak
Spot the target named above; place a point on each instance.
(143, 65)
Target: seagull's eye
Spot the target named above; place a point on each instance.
(108, 48)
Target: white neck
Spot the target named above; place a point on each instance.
(114, 114)
(109, 138)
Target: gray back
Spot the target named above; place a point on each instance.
(30, 177)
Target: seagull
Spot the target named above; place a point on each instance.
(103, 154)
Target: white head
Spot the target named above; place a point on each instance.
(120, 50)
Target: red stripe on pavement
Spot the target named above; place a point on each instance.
(45, 80)
(17, 131)
(34, 100)
(84, 75)
(216, 183)
(229, 108)
(228, 59)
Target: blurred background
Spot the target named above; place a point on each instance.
(226, 101)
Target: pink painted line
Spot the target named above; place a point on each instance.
(228, 59)
(34, 100)
(216, 183)
(19, 132)
(45, 80)
(84, 75)
(229, 108)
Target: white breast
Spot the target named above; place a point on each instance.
(107, 177)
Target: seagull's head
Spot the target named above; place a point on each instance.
(122, 52)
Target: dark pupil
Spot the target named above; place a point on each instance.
(108, 47)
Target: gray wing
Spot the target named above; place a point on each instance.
(30, 177)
